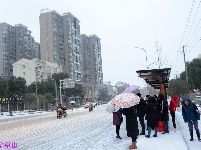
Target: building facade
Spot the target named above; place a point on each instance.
(86, 58)
(59, 37)
(35, 70)
(7, 49)
(96, 60)
(16, 43)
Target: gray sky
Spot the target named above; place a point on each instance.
(123, 25)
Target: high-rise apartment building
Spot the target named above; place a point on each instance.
(23, 42)
(86, 58)
(96, 60)
(72, 46)
(51, 37)
(7, 49)
(16, 43)
(59, 38)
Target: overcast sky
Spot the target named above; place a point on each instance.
(123, 25)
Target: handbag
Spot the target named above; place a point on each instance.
(160, 126)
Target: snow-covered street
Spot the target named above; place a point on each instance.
(84, 130)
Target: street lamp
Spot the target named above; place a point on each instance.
(55, 90)
(145, 53)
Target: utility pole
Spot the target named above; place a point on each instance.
(185, 65)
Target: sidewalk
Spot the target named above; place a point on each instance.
(183, 127)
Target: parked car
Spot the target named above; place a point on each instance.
(87, 104)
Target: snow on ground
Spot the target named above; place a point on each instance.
(84, 130)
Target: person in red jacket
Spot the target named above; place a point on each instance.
(174, 103)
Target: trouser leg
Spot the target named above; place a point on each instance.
(149, 130)
(173, 119)
(141, 119)
(166, 126)
(196, 129)
(117, 129)
(190, 126)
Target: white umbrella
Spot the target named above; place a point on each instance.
(72, 102)
(111, 107)
(126, 100)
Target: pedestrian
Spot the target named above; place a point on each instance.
(141, 112)
(191, 115)
(146, 98)
(174, 103)
(131, 125)
(164, 114)
(152, 112)
(117, 120)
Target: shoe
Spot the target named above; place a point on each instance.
(118, 137)
(148, 136)
(133, 146)
(142, 133)
(191, 139)
(163, 133)
(155, 135)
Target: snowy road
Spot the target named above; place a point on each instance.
(81, 130)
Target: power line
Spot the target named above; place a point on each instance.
(195, 36)
(188, 20)
(192, 22)
(194, 45)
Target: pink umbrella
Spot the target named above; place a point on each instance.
(125, 100)
(131, 88)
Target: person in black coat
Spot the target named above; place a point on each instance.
(131, 125)
(164, 115)
(152, 112)
(141, 112)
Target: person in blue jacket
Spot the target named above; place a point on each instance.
(191, 115)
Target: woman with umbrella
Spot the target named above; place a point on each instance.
(131, 125)
(129, 101)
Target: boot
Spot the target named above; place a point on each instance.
(191, 134)
(133, 146)
(118, 137)
(155, 135)
(198, 135)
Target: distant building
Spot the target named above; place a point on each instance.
(120, 87)
(96, 60)
(34, 70)
(110, 89)
(60, 39)
(16, 43)
(199, 56)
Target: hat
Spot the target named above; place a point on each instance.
(186, 99)
(175, 98)
(138, 94)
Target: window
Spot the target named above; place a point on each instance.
(23, 66)
(23, 73)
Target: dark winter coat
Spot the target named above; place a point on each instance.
(189, 112)
(152, 112)
(117, 118)
(141, 108)
(164, 114)
(131, 121)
